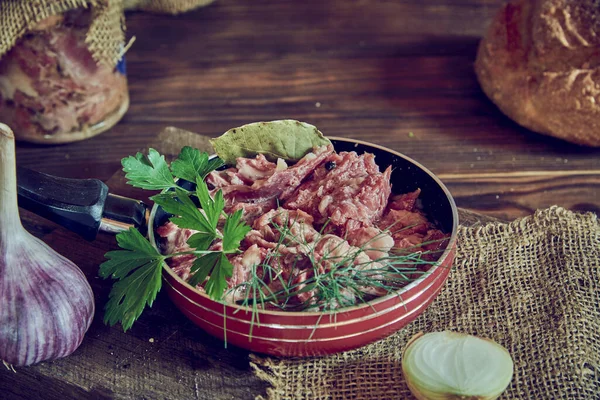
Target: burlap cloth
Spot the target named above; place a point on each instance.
(531, 285)
(165, 6)
(105, 37)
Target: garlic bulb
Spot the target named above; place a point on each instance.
(449, 365)
(46, 303)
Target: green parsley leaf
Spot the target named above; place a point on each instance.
(218, 268)
(186, 213)
(138, 270)
(217, 283)
(201, 240)
(212, 207)
(192, 164)
(202, 267)
(151, 172)
(234, 230)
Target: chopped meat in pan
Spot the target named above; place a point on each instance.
(329, 213)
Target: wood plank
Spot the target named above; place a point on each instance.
(517, 195)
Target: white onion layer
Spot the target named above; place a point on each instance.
(449, 365)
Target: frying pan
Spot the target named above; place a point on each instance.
(86, 207)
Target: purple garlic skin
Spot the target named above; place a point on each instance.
(46, 303)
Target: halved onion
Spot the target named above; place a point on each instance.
(450, 365)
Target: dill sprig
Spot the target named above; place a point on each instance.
(349, 278)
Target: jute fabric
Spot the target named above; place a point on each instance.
(105, 37)
(531, 285)
(166, 6)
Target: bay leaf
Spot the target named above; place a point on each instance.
(287, 139)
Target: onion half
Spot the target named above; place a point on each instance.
(450, 365)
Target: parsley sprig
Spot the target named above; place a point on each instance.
(153, 173)
(137, 269)
(138, 265)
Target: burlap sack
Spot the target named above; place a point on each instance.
(165, 6)
(105, 38)
(531, 285)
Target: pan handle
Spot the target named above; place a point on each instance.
(83, 206)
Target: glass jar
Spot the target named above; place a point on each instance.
(53, 91)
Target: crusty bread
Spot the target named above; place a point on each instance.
(540, 64)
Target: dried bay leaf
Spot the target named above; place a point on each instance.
(286, 139)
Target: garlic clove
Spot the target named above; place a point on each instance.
(450, 365)
(46, 303)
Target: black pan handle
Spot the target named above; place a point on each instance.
(83, 206)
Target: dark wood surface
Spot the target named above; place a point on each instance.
(164, 356)
(374, 70)
(397, 73)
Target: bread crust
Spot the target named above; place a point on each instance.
(540, 64)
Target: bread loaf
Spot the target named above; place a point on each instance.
(540, 64)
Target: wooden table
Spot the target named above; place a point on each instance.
(397, 73)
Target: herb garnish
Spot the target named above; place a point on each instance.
(152, 172)
(138, 269)
(138, 266)
(344, 282)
